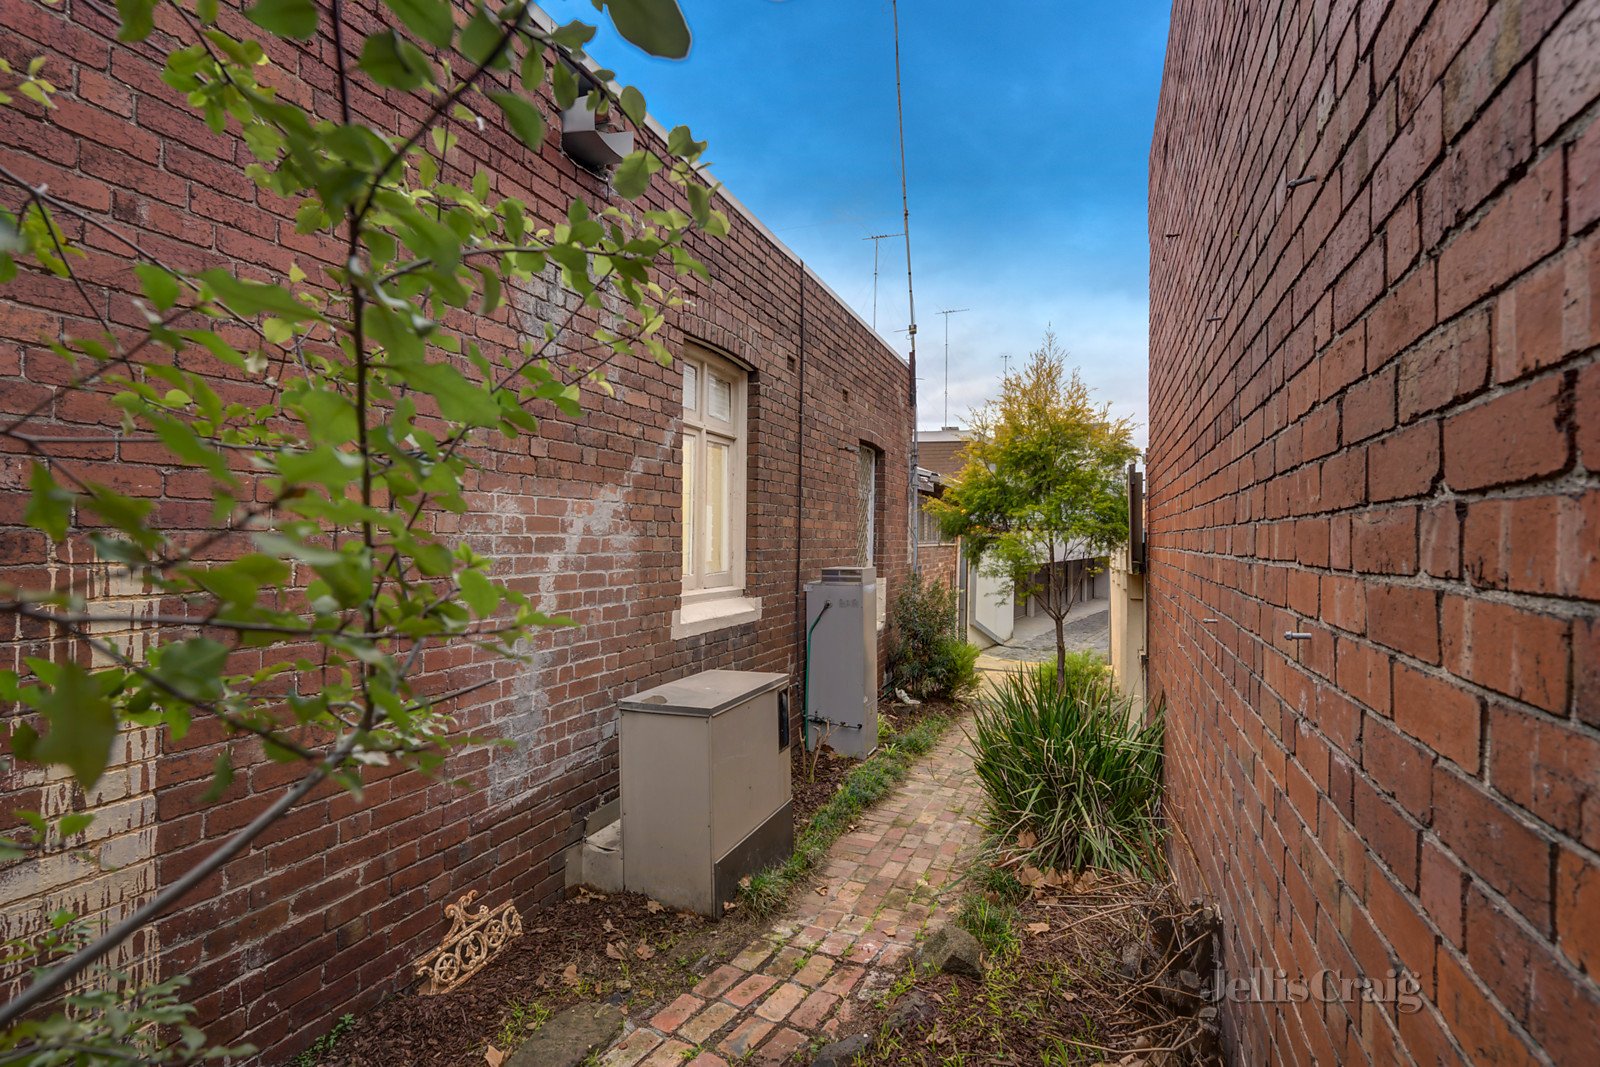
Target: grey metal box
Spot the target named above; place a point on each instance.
(842, 691)
(706, 795)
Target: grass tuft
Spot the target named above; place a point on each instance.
(1071, 776)
(993, 923)
(767, 891)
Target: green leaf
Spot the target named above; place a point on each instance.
(523, 117)
(532, 75)
(162, 288)
(633, 104)
(138, 19)
(656, 26)
(632, 176)
(563, 84)
(49, 505)
(428, 19)
(699, 203)
(481, 37)
(481, 595)
(574, 35)
(192, 667)
(322, 466)
(391, 60)
(221, 778)
(681, 143)
(285, 18)
(83, 725)
(77, 822)
(251, 298)
(458, 399)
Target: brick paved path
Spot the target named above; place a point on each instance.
(845, 939)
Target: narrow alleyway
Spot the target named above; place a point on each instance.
(1088, 628)
(842, 942)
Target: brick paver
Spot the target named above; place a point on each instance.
(845, 938)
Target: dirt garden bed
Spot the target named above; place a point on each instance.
(1100, 969)
(589, 947)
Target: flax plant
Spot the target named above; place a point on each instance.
(1072, 777)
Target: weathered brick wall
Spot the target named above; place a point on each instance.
(326, 913)
(1375, 418)
(938, 562)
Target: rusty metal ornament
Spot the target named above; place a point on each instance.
(473, 940)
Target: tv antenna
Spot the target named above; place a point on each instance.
(875, 238)
(947, 313)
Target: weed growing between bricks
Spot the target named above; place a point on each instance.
(767, 891)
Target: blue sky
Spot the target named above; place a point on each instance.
(1027, 137)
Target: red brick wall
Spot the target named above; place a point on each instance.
(325, 915)
(938, 562)
(1375, 418)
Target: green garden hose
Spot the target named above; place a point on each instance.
(805, 685)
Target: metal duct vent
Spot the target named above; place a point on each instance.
(595, 148)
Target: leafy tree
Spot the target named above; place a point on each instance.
(1043, 483)
(299, 619)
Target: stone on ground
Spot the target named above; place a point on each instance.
(950, 949)
(569, 1036)
(842, 1053)
(913, 1012)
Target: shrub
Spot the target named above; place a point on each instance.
(1085, 670)
(928, 657)
(1069, 772)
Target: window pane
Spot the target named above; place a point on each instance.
(691, 387)
(719, 399)
(717, 506)
(689, 460)
(867, 517)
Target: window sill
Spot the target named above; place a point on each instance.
(721, 613)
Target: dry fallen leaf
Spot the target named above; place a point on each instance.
(609, 928)
(822, 890)
(729, 905)
(654, 907)
(614, 949)
(1027, 839)
(570, 975)
(494, 1056)
(1031, 876)
(644, 951)
(1038, 928)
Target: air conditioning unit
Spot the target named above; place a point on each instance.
(705, 786)
(842, 660)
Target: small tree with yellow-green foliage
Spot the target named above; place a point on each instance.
(1044, 482)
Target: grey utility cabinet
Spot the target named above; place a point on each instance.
(705, 786)
(842, 690)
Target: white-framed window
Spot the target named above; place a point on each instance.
(714, 447)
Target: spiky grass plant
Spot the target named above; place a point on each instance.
(1072, 777)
